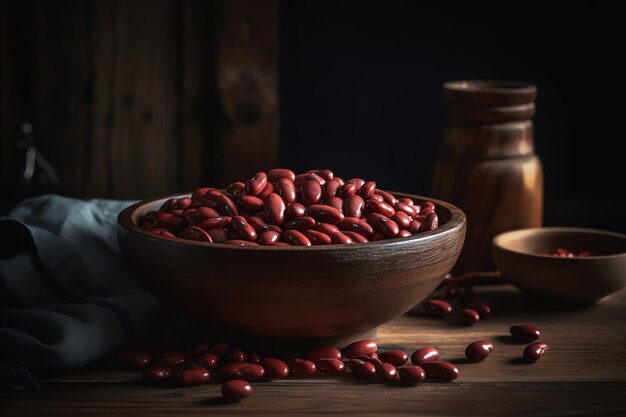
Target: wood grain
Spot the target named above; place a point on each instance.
(583, 373)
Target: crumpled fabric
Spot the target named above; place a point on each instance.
(67, 296)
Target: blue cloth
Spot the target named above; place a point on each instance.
(66, 294)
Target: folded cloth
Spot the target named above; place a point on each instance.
(66, 294)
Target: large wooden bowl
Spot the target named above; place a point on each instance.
(334, 293)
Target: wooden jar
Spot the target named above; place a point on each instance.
(487, 165)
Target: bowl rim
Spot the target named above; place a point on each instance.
(497, 242)
(457, 220)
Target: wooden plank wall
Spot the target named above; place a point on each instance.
(146, 97)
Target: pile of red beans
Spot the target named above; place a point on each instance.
(280, 208)
(564, 253)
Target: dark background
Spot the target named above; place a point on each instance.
(130, 99)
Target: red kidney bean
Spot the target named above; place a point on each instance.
(234, 355)
(310, 192)
(361, 347)
(327, 174)
(469, 316)
(214, 222)
(405, 208)
(427, 204)
(260, 226)
(408, 201)
(402, 219)
(370, 359)
(377, 236)
(412, 375)
(209, 198)
(195, 233)
(383, 208)
(324, 352)
(195, 375)
(302, 367)
(437, 308)
(431, 222)
(295, 210)
(335, 202)
(331, 366)
(302, 178)
(239, 242)
(440, 370)
(394, 357)
(367, 189)
(353, 206)
(276, 174)
(423, 355)
(324, 213)
(250, 203)
(182, 203)
(346, 190)
(168, 205)
(203, 213)
(169, 221)
(268, 237)
(173, 360)
(525, 332)
(279, 244)
(327, 228)
(269, 189)
(256, 184)
(330, 189)
(274, 368)
(534, 351)
(362, 369)
(199, 192)
(226, 206)
(480, 307)
(156, 374)
(253, 357)
(403, 233)
(414, 227)
(286, 189)
(300, 223)
(388, 197)
(209, 360)
(386, 372)
(274, 209)
(242, 229)
(426, 211)
(190, 216)
(356, 237)
(478, 351)
(237, 189)
(318, 238)
(340, 238)
(372, 355)
(242, 370)
(219, 235)
(163, 232)
(236, 390)
(137, 360)
(358, 181)
(377, 197)
(383, 224)
(341, 181)
(296, 238)
(178, 213)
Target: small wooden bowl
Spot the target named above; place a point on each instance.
(556, 281)
(319, 294)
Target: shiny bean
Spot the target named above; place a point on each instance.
(377, 236)
(209, 198)
(250, 203)
(480, 307)
(274, 209)
(367, 189)
(414, 227)
(295, 210)
(340, 239)
(427, 204)
(163, 232)
(310, 176)
(209, 360)
(242, 370)
(377, 197)
(296, 238)
(274, 368)
(237, 189)
(214, 222)
(383, 208)
(440, 370)
(405, 208)
(525, 332)
(182, 203)
(383, 224)
(534, 351)
(156, 374)
(226, 206)
(406, 200)
(331, 366)
(268, 237)
(412, 375)
(358, 181)
(302, 367)
(197, 193)
(356, 237)
(173, 360)
(236, 390)
(335, 202)
(423, 355)
(370, 359)
(469, 316)
(203, 213)
(300, 223)
(256, 184)
(346, 190)
(402, 219)
(310, 192)
(353, 206)
(242, 229)
(330, 189)
(388, 197)
(478, 351)
(324, 352)
(219, 235)
(327, 228)
(269, 189)
(431, 222)
(318, 238)
(403, 233)
(170, 222)
(362, 369)
(325, 214)
(168, 205)
(386, 372)
(361, 347)
(234, 355)
(395, 357)
(286, 189)
(276, 174)
(191, 376)
(327, 174)
(437, 308)
(195, 233)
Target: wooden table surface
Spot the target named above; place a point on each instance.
(582, 374)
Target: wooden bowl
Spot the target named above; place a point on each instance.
(557, 281)
(318, 294)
